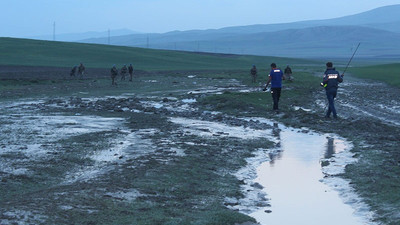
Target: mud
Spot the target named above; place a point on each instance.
(132, 155)
(360, 98)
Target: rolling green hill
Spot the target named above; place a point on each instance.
(65, 54)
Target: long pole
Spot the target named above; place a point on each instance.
(351, 58)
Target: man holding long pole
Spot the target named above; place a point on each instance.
(331, 81)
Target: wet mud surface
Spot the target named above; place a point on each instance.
(161, 157)
(359, 98)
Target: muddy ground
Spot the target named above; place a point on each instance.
(80, 151)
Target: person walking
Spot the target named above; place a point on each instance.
(330, 82)
(73, 71)
(288, 73)
(114, 73)
(123, 71)
(81, 70)
(130, 70)
(275, 77)
(253, 73)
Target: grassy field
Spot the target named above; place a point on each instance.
(389, 73)
(65, 54)
(260, 103)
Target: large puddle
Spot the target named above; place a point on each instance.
(295, 182)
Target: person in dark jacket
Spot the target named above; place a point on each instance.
(330, 82)
(123, 72)
(275, 77)
(81, 70)
(288, 73)
(130, 70)
(114, 73)
(73, 71)
(253, 73)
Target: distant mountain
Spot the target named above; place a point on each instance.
(314, 42)
(378, 30)
(385, 18)
(324, 41)
(85, 35)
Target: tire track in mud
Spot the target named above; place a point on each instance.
(363, 98)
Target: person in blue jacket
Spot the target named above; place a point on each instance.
(275, 77)
(330, 82)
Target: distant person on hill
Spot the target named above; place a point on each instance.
(275, 77)
(124, 70)
(73, 71)
(130, 69)
(253, 73)
(114, 73)
(330, 82)
(81, 70)
(288, 73)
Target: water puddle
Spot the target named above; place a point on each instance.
(294, 182)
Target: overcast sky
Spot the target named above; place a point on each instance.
(24, 18)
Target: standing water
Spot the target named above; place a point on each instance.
(292, 180)
(291, 176)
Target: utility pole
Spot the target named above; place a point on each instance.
(54, 31)
(109, 37)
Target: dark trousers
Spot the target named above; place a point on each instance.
(276, 94)
(331, 95)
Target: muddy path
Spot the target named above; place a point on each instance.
(60, 162)
(126, 159)
(359, 98)
(147, 156)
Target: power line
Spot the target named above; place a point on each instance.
(54, 31)
(109, 38)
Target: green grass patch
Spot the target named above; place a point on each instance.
(66, 54)
(389, 73)
(296, 93)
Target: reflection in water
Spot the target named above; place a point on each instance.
(330, 150)
(276, 132)
(292, 182)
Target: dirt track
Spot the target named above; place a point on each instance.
(358, 98)
(35, 119)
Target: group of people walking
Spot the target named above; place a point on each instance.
(287, 73)
(330, 82)
(123, 72)
(80, 69)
